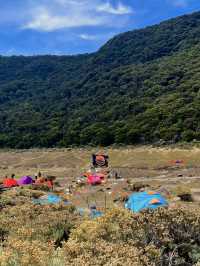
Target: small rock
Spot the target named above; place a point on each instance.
(195, 194)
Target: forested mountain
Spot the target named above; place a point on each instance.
(142, 86)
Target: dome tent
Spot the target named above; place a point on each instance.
(50, 198)
(145, 200)
(94, 180)
(9, 182)
(25, 180)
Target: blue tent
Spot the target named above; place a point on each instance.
(145, 200)
(92, 213)
(50, 199)
(95, 214)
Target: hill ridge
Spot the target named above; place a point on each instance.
(121, 94)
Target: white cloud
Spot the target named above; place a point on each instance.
(97, 37)
(45, 20)
(10, 52)
(88, 37)
(46, 15)
(120, 9)
(179, 3)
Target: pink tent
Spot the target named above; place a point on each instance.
(25, 180)
(94, 180)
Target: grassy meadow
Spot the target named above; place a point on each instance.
(55, 235)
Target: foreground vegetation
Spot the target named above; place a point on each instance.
(57, 235)
(142, 86)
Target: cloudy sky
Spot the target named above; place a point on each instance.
(31, 27)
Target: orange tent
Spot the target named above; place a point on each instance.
(39, 181)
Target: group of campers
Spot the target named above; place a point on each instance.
(98, 160)
(136, 201)
(97, 175)
(38, 179)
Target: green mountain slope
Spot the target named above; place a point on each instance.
(153, 42)
(140, 87)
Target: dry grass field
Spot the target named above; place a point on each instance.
(52, 235)
(132, 162)
(152, 166)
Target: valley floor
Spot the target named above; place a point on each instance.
(150, 166)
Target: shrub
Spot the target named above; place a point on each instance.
(55, 235)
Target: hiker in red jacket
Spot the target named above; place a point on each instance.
(49, 183)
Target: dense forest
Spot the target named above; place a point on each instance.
(143, 86)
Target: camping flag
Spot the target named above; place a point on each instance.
(100, 160)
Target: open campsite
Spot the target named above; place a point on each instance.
(78, 223)
(100, 133)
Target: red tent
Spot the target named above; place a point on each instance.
(10, 182)
(94, 180)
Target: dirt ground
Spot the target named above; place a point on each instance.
(131, 162)
(154, 167)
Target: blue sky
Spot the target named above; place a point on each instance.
(32, 27)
